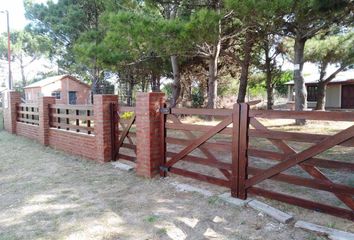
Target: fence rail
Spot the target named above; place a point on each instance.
(28, 113)
(300, 159)
(76, 118)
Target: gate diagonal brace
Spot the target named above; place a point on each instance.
(165, 169)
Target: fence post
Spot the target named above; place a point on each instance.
(44, 119)
(103, 125)
(243, 146)
(149, 133)
(10, 101)
(235, 150)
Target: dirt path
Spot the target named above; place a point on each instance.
(46, 194)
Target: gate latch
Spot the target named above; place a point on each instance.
(165, 169)
(165, 110)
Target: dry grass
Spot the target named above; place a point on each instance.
(46, 194)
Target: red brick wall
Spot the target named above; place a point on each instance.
(149, 132)
(74, 143)
(27, 130)
(10, 111)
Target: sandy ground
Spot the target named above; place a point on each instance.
(45, 194)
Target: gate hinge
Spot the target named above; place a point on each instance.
(164, 168)
(165, 110)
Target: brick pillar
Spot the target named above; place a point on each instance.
(103, 126)
(149, 133)
(44, 118)
(10, 101)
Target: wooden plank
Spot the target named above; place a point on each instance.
(309, 115)
(26, 120)
(320, 207)
(126, 157)
(202, 161)
(307, 182)
(122, 109)
(201, 111)
(217, 146)
(72, 107)
(243, 145)
(73, 116)
(317, 162)
(29, 105)
(234, 181)
(129, 146)
(28, 112)
(71, 127)
(200, 140)
(200, 177)
(294, 136)
(197, 128)
(203, 149)
(295, 159)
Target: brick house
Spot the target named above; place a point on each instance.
(65, 88)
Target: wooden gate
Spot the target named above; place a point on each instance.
(204, 145)
(124, 135)
(299, 159)
(264, 160)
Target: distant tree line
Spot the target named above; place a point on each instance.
(207, 47)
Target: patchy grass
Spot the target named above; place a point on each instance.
(45, 194)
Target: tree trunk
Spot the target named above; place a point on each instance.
(299, 82)
(269, 85)
(176, 86)
(24, 82)
(95, 88)
(155, 83)
(212, 83)
(130, 91)
(245, 64)
(321, 96)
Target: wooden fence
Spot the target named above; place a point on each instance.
(296, 159)
(28, 113)
(289, 157)
(77, 118)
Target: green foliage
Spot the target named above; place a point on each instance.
(337, 48)
(127, 115)
(151, 218)
(281, 79)
(197, 97)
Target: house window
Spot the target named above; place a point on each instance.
(312, 93)
(56, 94)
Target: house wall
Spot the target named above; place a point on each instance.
(83, 92)
(32, 94)
(333, 96)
